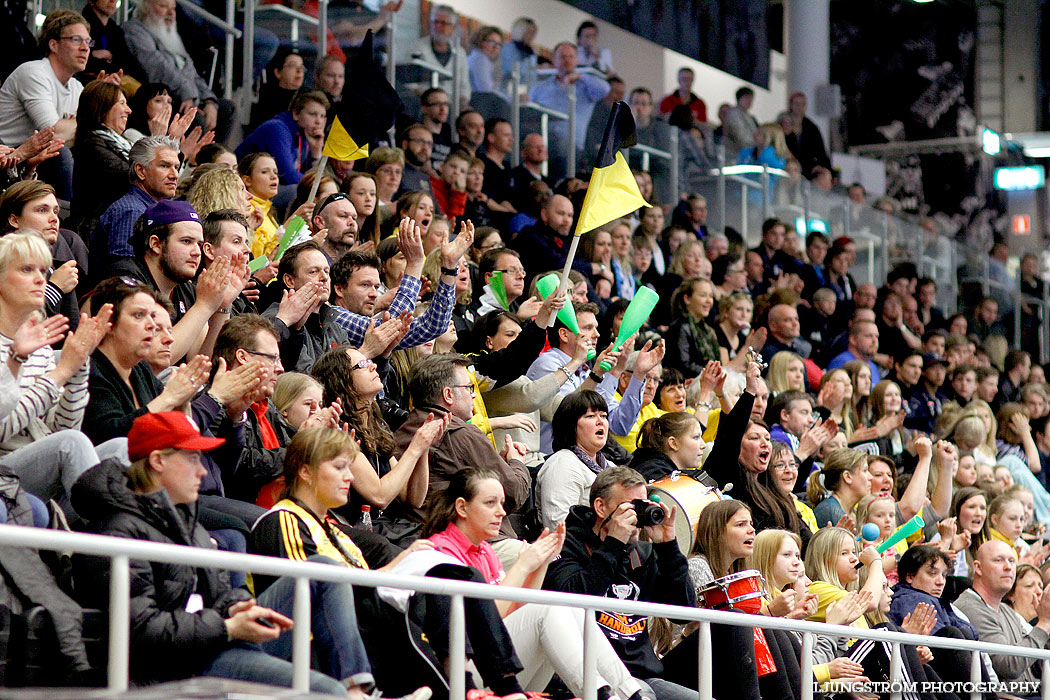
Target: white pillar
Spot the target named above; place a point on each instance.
(808, 32)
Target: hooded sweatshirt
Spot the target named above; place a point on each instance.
(656, 573)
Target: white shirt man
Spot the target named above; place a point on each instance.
(44, 93)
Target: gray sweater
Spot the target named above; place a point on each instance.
(1003, 626)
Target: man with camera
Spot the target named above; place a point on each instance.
(604, 554)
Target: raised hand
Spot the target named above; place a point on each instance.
(36, 333)
(430, 431)
(921, 620)
(79, 345)
(183, 385)
(846, 609)
(453, 251)
(211, 284)
(159, 123)
(848, 522)
(550, 307)
(711, 377)
(237, 278)
(410, 241)
(530, 308)
(193, 142)
(649, 357)
(296, 307)
(229, 385)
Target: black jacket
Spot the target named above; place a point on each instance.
(301, 347)
(657, 573)
(256, 466)
(166, 641)
(652, 464)
(100, 177)
(111, 408)
(723, 465)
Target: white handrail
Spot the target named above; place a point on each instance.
(281, 9)
(122, 550)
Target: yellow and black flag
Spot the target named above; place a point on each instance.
(368, 107)
(613, 191)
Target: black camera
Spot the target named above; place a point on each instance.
(648, 513)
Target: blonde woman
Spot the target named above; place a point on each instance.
(831, 565)
(776, 555)
(786, 373)
(221, 188)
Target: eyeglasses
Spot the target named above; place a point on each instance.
(516, 271)
(428, 142)
(78, 40)
(272, 358)
(363, 364)
(473, 390)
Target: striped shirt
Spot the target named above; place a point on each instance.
(42, 407)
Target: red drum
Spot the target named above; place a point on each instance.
(741, 591)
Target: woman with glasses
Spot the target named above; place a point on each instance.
(381, 480)
(483, 62)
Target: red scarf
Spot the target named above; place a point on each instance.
(269, 436)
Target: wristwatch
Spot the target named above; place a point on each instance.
(452, 271)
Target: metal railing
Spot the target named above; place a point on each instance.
(228, 28)
(121, 550)
(671, 155)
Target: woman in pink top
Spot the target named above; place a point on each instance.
(548, 639)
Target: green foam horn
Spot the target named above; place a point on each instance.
(499, 290)
(634, 317)
(548, 285)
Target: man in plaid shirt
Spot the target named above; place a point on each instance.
(355, 283)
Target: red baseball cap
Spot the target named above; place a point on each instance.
(164, 431)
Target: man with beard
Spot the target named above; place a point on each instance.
(154, 177)
(337, 214)
(418, 144)
(167, 245)
(355, 288)
(543, 246)
(155, 41)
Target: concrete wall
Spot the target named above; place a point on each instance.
(638, 61)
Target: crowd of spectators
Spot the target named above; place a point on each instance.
(393, 393)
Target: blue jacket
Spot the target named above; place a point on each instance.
(905, 598)
(282, 139)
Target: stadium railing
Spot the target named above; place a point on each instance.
(121, 550)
